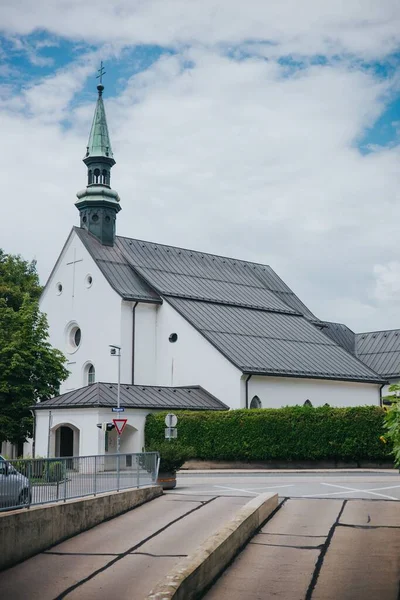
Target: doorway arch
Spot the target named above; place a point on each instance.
(66, 440)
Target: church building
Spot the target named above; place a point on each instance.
(185, 329)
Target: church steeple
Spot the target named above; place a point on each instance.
(98, 204)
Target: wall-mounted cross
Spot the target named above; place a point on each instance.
(101, 72)
(73, 263)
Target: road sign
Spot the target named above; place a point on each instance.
(119, 425)
(171, 433)
(171, 420)
(118, 409)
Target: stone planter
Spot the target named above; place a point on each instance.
(167, 480)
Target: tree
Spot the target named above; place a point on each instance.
(30, 368)
(17, 278)
(392, 422)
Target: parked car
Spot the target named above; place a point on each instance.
(15, 489)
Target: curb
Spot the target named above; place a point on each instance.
(195, 472)
(197, 571)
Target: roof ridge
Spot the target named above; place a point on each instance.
(240, 260)
(378, 331)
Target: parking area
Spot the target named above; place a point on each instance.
(382, 485)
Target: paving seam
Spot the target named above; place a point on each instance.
(302, 535)
(158, 555)
(288, 546)
(130, 550)
(368, 526)
(325, 547)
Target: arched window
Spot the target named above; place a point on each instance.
(255, 402)
(91, 374)
(96, 174)
(307, 403)
(90, 177)
(104, 179)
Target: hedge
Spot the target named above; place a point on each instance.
(290, 433)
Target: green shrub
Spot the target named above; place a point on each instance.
(392, 424)
(55, 471)
(172, 455)
(288, 434)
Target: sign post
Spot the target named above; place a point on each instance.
(171, 431)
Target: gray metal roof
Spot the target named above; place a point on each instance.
(144, 271)
(339, 333)
(380, 350)
(263, 342)
(190, 274)
(136, 396)
(207, 289)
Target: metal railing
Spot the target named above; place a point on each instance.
(28, 482)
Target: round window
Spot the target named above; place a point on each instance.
(59, 288)
(95, 218)
(88, 281)
(173, 337)
(74, 337)
(77, 337)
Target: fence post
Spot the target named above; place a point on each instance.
(95, 476)
(65, 479)
(138, 467)
(30, 484)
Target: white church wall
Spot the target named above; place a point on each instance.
(96, 308)
(275, 392)
(84, 420)
(191, 360)
(145, 344)
(90, 440)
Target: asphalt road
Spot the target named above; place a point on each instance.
(383, 485)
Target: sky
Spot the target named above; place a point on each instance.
(268, 131)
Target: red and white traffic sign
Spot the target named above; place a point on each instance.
(119, 425)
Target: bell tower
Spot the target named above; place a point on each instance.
(98, 204)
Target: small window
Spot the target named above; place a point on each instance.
(91, 375)
(255, 402)
(173, 337)
(59, 288)
(74, 336)
(88, 281)
(77, 337)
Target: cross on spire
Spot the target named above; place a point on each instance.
(101, 72)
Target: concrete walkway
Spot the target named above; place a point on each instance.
(319, 550)
(122, 558)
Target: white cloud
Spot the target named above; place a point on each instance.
(362, 27)
(230, 156)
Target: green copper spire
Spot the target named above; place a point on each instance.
(99, 139)
(98, 204)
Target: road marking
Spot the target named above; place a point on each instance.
(273, 487)
(252, 490)
(350, 491)
(223, 487)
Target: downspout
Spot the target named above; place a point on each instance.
(133, 342)
(380, 394)
(247, 390)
